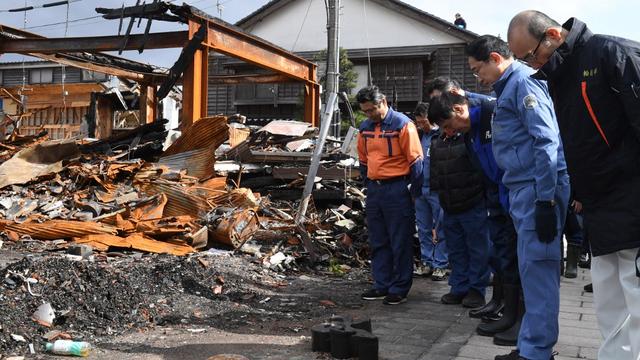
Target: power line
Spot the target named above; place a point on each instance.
(301, 26)
(64, 22)
(26, 8)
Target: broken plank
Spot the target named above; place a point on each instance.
(332, 173)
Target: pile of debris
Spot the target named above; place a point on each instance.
(58, 191)
(86, 211)
(276, 158)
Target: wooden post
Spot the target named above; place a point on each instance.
(148, 104)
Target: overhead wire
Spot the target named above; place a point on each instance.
(66, 23)
(302, 25)
(366, 34)
(26, 8)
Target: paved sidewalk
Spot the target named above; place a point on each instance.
(423, 328)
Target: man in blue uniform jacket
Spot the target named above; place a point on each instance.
(527, 146)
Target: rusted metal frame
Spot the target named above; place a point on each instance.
(312, 103)
(252, 78)
(203, 55)
(194, 96)
(236, 44)
(162, 40)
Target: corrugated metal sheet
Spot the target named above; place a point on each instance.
(180, 199)
(290, 128)
(206, 132)
(61, 229)
(198, 163)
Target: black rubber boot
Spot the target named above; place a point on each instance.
(571, 269)
(510, 336)
(495, 305)
(509, 313)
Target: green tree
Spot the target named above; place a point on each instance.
(348, 76)
(346, 83)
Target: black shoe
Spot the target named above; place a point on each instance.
(508, 337)
(452, 299)
(513, 355)
(373, 294)
(474, 299)
(588, 288)
(491, 317)
(495, 305)
(510, 313)
(393, 299)
(490, 310)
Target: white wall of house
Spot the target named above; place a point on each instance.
(362, 71)
(381, 27)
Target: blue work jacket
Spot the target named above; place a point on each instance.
(425, 141)
(526, 139)
(481, 111)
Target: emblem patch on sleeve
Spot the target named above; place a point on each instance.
(530, 101)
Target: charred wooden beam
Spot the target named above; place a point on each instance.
(186, 56)
(156, 11)
(99, 62)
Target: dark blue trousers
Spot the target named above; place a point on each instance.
(467, 235)
(428, 214)
(504, 251)
(391, 225)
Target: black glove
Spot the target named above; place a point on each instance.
(546, 221)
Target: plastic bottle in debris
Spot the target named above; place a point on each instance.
(69, 347)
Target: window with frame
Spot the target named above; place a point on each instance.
(41, 76)
(88, 75)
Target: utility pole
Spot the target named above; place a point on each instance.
(330, 104)
(333, 59)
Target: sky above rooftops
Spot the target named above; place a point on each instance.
(611, 17)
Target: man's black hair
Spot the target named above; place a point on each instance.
(441, 107)
(422, 109)
(442, 84)
(370, 94)
(481, 47)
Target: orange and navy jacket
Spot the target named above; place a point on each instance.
(391, 148)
